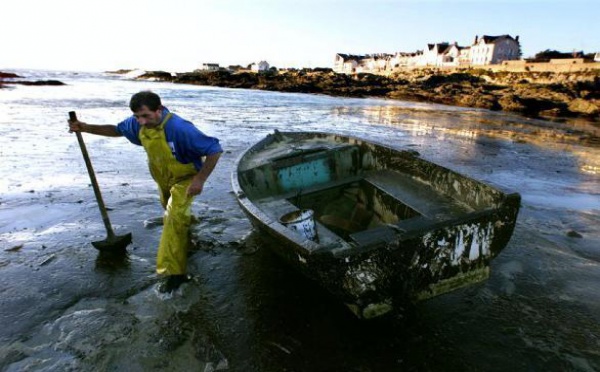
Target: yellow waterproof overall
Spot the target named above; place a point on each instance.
(173, 179)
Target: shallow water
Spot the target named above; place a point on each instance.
(64, 307)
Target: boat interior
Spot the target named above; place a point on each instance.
(356, 200)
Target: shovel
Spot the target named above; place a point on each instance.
(112, 242)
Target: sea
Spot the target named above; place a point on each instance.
(66, 307)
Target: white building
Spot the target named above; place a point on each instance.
(209, 67)
(464, 58)
(351, 63)
(373, 63)
(456, 55)
(401, 59)
(489, 50)
(597, 57)
(346, 63)
(260, 66)
(433, 55)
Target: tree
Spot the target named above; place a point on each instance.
(548, 54)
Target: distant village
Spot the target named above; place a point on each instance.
(484, 51)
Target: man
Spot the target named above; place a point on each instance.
(175, 148)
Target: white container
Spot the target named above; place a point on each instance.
(302, 221)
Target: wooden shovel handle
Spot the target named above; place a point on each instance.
(88, 164)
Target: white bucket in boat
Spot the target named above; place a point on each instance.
(302, 221)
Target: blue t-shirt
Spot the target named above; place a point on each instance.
(187, 142)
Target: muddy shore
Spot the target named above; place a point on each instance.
(64, 307)
(534, 94)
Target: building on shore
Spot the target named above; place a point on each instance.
(260, 66)
(404, 60)
(209, 67)
(486, 50)
(491, 50)
(346, 63)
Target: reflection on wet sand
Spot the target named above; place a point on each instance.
(575, 136)
(476, 123)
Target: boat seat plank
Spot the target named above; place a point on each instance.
(419, 196)
(277, 207)
(390, 232)
(373, 237)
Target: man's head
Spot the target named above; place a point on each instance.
(147, 108)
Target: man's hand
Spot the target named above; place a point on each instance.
(199, 179)
(76, 126)
(196, 187)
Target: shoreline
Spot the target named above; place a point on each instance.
(554, 97)
(558, 98)
(532, 94)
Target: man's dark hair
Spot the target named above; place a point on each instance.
(145, 98)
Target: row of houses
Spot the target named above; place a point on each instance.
(485, 50)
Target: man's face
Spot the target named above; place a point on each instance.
(147, 117)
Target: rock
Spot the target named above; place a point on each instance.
(39, 82)
(15, 248)
(582, 106)
(156, 76)
(554, 112)
(8, 75)
(437, 80)
(512, 102)
(574, 234)
(122, 71)
(484, 101)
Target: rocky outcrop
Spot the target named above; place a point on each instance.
(584, 107)
(8, 75)
(12, 77)
(536, 94)
(531, 94)
(36, 82)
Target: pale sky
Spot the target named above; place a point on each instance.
(180, 35)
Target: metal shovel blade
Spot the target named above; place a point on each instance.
(113, 243)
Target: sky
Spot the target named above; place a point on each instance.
(181, 35)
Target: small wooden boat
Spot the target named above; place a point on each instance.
(374, 225)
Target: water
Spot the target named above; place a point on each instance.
(64, 307)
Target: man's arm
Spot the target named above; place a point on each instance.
(200, 178)
(101, 130)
